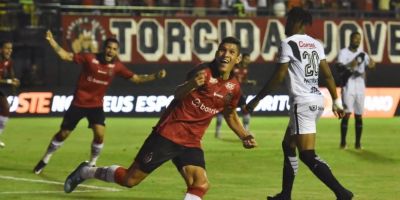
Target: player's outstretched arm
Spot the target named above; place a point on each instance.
(193, 83)
(233, 121)
(278, 76)
(143, 78)
(64, 55)
(331, 85)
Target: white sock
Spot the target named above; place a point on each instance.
(88, 172)
(95, 153)
(3, 121)
(189, 196)
(54, 145)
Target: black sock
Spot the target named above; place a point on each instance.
(322, 171)
(343, 130)
(359, 126)
(290, 166)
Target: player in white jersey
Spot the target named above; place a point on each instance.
(301, 59)
(352, 62)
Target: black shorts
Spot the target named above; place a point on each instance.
(156, 150)
(74, 114)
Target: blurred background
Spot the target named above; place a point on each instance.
(179, 34)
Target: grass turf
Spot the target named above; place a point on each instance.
(234, 172)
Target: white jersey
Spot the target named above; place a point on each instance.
(356, 82)
(303, 53)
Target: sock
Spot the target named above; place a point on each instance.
(3, 121)
(219, 124)
(103, 173)
(95, 153)
(246, 121)
(322, 171)
(189, 196)
(359, 127)
(290, 166)
(194, 193)
(53, 146)
(343, 130)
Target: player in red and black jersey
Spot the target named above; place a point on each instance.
(98, 70)
(7, 79)
(209, 89)
(241, 74)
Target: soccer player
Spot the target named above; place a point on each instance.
(7, 78)
(301, 59)
(241, 73)
(98, 70)
(353, 61)
(209, 88)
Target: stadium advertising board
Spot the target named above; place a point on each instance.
(193, 39)
(379, 102)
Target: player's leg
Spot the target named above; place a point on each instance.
(4, 114)
(348, 106)
(358, 110)
(218, 125)
(305, 141)
(70, 120)
(155, 151)
(343, 130)
(96, 120)
(191, 166)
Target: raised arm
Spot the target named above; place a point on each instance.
(193, 83)
(233, 121)
(64, 55)
(142, 78)
(278, 76)
(331, 85)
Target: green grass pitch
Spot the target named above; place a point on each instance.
(234, 172)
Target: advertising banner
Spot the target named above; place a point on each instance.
(379, 102)
(194, 39)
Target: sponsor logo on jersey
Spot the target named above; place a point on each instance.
(213, 80)
(198, 104)
(95, 61)
(111, 65)
(229, 85)
(94, 80)
(101, 72)
(316, 107)
(309, 45)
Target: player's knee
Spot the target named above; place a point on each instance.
(358, 119)
(287, 149)
(62, 135)
(308, 158)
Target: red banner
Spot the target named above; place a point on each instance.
(192, 39)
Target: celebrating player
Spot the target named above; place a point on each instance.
(353, 61)
(302, 58)
(210, 88)
(98, 70)
(241, 73)
(7, 78)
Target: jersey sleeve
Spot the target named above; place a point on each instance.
(80, 58)
(123, 71)
(342, 57)
(284, 53)
(321, 51)
(235, 97)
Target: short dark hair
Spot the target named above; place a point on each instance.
(354, 34)
(110, 40)
(231, 40)
(298, 14)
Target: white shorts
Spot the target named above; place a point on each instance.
(353, 103)
(304, 116)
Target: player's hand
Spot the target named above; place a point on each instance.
(161, 74)
(199, 79)
(337, 109)
(49, 36)
(249, 142)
